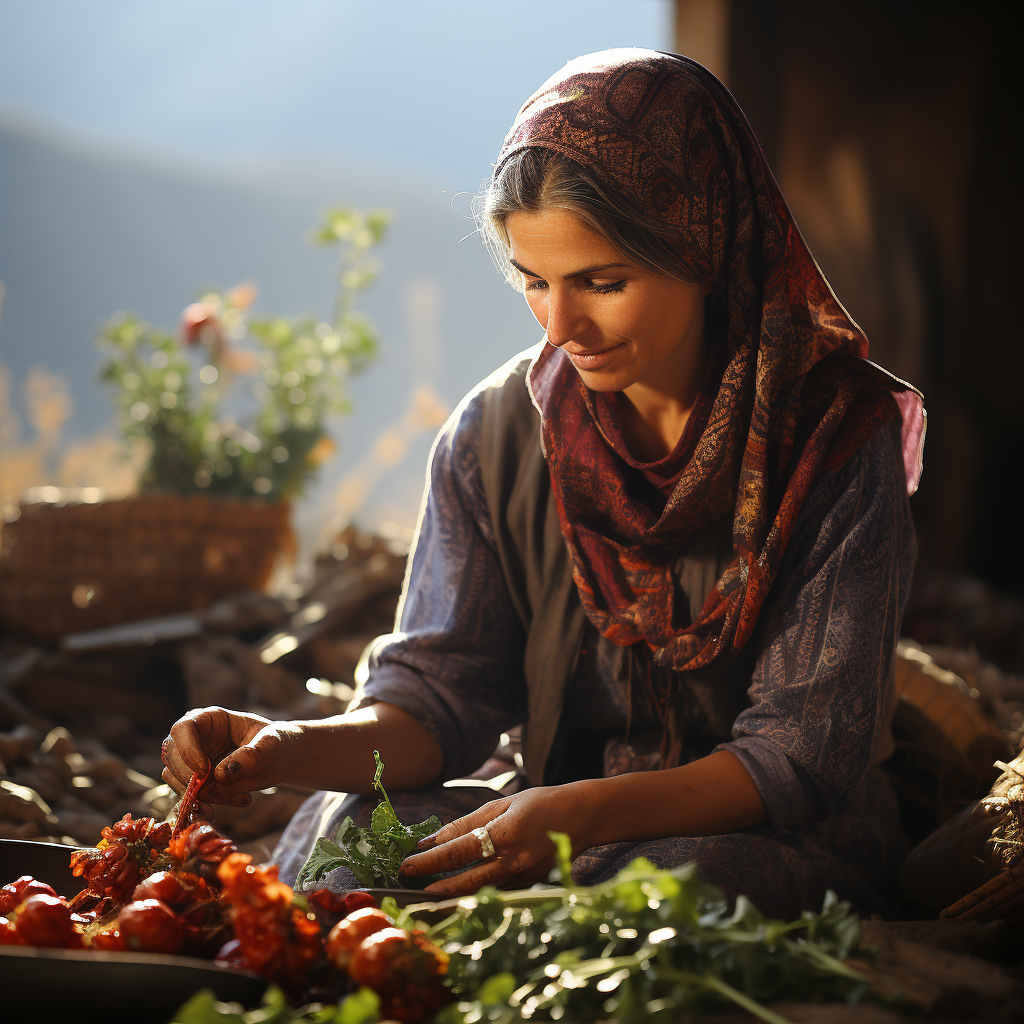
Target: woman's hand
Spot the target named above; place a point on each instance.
(247, 752)
(518, 826)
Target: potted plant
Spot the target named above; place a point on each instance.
(230, 417)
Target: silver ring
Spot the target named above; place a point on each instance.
(486, 845)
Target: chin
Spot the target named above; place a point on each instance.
(600, 380)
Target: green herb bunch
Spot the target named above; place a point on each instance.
(649, 945)
(372, 854)
(169, 391)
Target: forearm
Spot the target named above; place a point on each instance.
(711, 796)
(337, 753)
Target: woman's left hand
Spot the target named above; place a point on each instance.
(518, 826)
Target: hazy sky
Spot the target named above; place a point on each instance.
(416, 85)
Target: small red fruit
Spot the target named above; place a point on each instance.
(171, 887)
(46, 921)
(149, 926)
(110, 940)
(405, 969)
(341, 902)
(16, 892)
(8, 933)
(161, 886)
(347, 934)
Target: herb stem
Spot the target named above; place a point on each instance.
(725, 989)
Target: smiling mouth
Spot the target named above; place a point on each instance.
(592, 360)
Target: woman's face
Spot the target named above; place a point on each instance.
(623, 327)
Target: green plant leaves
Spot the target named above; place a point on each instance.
(361, 1007)
(169, 395)
(648, 945)
(375, 854)
(563, 857)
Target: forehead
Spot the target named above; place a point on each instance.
(557, 239)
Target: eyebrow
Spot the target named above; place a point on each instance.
(585, 272)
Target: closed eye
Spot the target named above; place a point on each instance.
(606, 287)
(533, 284)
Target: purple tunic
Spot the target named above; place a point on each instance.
(808, 722)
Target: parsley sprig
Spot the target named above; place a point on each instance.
(372, 854)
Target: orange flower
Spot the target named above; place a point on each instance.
(242, 296)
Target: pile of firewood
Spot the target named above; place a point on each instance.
(81, 725)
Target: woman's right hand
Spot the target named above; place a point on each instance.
(247, 752)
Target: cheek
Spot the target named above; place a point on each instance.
(538, 307)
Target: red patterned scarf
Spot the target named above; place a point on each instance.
(788, 394)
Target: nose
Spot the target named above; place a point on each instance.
(565, 319)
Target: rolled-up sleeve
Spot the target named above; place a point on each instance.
(822, 683)
(455, 659)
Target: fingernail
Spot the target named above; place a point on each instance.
(409, 869)
(242, 800)
(233, 767)
(212, 790)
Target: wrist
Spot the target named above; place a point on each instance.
(295, 753)
(590, 813)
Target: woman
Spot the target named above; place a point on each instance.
(673, 536)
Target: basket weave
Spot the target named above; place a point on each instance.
(70, 567)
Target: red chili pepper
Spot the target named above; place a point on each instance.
(184, 817)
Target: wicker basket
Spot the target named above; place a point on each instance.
(70, 567)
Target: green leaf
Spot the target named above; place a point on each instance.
(373, 855)
(389, 905)
(203, 1008)
(275, 1009)
(563, 856)
(324, 857)
(422, 830)
(836, 927)
(360, 1007)
(384, 821)
(497, 989)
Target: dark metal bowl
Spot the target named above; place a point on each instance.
(83, 985)
(134, 988)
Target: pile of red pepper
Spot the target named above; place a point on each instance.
(148, 890)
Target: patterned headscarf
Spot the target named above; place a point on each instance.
(788, 394)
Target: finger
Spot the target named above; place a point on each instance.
(196, 737)
(461, 826)
(245, 767)
(213, 794)
(415, 865)
(226, 795)
(449, 856)
(520, 868)
(176, 784)
(491, 872)
(176, 765)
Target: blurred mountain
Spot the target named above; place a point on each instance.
(85, 231)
